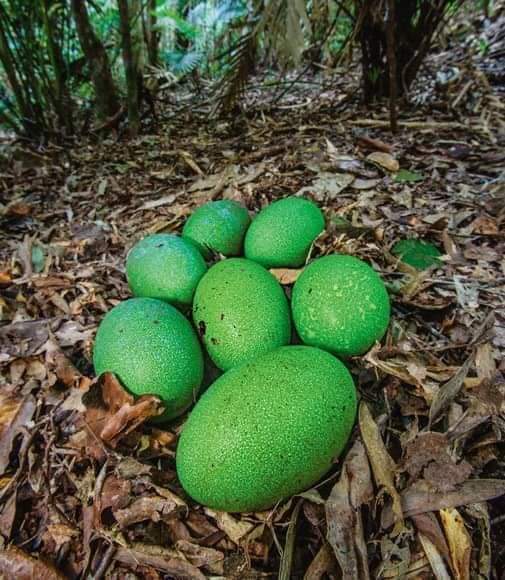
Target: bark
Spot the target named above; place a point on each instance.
(62, 94)
(105, 89)
(130, 68)
(414, 26)
(151, 34)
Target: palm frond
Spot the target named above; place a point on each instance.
(239, 68)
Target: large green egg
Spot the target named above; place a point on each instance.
(218, 226)
(166, 267)
(240, 311)
(153, 350)
(283, 232)
(340, 304)
(267, 430)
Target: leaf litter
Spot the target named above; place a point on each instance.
(88, 489)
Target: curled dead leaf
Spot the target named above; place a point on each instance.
(384, 160)
(112, 413)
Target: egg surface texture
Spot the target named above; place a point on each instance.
(340, 304)
(166, 267)
(218, 226)
(153, 350)
(282, 233)
(240, 311)
(267, 430)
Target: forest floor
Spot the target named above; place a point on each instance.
(88, 486)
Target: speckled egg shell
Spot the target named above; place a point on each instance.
(218, 226)
(283, 232)
(166, 267)
(340, 304)
(240, 311)
(153, 350)
(267, 430)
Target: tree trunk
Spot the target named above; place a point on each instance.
(62, 94)
(129, 67)
(152, 35)
(415, 23)
(105, 90)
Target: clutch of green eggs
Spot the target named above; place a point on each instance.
(300, 399)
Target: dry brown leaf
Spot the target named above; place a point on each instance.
(202, 557)
(418, 499)
(235, 529)
(428, 525)
(286, 276)
(383, 466)
(343, 513)
(112, 413)
(435, 559)
(460, 543)
(385, 160)
(480, 513)
(449, 390)
(15, 413)
(18, 565)
(146, 508)
(162, 559)
(322, 565)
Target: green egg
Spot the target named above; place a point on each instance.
(283, 232)
(340, 304)
(166, 267)
(153, 350)
(240, 311)
(218, 226)
(267, 430)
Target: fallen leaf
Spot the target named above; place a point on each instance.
(147, 508)
(384, 160)
(435, 559)
(420, 499)
(343, 513)
(234, 528)
(428, 525)
(322, 565)
(449, 390)
(383, 466)
(113, 413)
(15, 414)
(18, 565)
(405, 176)
(460, 543)
(285, 567)
(286, 276)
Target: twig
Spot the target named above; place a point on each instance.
(411, 124)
